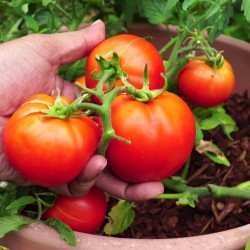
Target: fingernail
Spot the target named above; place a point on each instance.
(96, 22)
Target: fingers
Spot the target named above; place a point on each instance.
(68, 47)
(84, 182)
(131, 192)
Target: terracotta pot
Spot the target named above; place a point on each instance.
(40, 237)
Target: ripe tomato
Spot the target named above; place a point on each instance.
(200, 86)
(134, 53)
(85, 214)
(162, 134)
(48, 151)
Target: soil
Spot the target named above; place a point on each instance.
(164, 219)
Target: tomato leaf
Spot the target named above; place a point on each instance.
(246, 9)
(65, 231)
(210, 118)
(199, 134)
(188, 199)
(121, 217)
(156, 11)
(12, 223)
(220, 158)
(31, 23)
(212, 152)
(188, 3)
(22, 201)
(9, 193)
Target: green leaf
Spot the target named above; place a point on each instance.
(16, 3)
(245, 7)
(157, 11)
(210, 123)
(218, 158)
(12, 223)
(212, 152)
(210, 118)
(65, 231)
(199, 134)
(22, 201)
(248, 245)
(187, 3)
(47, 2)
(31, 23)
(188, 199)
(121, 217)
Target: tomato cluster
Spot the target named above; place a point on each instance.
(160, 131)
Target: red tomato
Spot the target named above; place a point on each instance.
(200, 86)
(85, 214)
(48, 151)
(134, 53)
(162, 134)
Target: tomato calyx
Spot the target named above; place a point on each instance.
(63, 110)
(144, 94)
(109, 68)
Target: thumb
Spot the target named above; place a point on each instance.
(68, 47)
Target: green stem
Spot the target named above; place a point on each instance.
(170, 196)
(168, 45)
(39, 207)
(241, 191)
(64, 12)
(186, 169)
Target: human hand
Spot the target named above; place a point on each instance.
(29, 66)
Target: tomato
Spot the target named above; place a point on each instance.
(199, 85)
(162, 134)
(85, 214)
(48, 151)
(134, 53)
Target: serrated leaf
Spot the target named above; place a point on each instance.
(121, 217)
(22, 201)
(12, 223)
(246, 9)
(210, 118)
(156, 11)
(64, 230)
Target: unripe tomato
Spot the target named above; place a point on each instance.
(134, 53)
(48, 151)
(161, 132)
(203, 87)
(83, 214)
